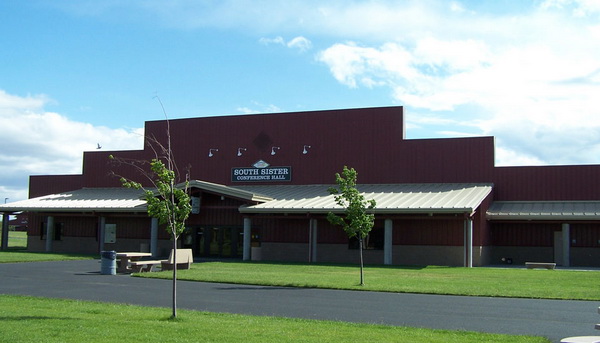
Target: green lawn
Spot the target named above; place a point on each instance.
(495, 282)
(17, 239)
(28, 319)
(17, 245)
(12, 256)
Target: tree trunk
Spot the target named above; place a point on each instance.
(174, 315)
(360, 248)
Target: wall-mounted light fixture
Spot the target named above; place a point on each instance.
(305, 149)
(210, 152)
(240, 151)
(273, 152)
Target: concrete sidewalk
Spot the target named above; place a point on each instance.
(554, 319)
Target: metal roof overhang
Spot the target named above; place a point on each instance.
(544, 210)
(276, 199)
(389, 198)
(227, 191)
(83, 200)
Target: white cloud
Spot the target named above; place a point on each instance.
(526, 72)
(539, 96)
(301, 43)
(259, 108)
(39, 142)
(268, 41)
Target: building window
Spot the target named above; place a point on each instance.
(58, 227)
(373, 241)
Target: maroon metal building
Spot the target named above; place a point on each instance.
(260, 192)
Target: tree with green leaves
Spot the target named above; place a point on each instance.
(355, 220)
(168, 199)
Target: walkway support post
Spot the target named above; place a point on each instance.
(468, 255)
(313, 243)
(5, 219)
(566, 245)
(49, 233)
(247, 238)
(154, 237)
(387, 242)
(101, 233)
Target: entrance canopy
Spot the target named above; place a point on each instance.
(390, 198)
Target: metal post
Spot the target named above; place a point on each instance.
(154, 237)
(566, 245)
(313, 227)
(101, 233)
(387, 242)
(49, 233)
(469, 242)
(247, 238)
(5, 219)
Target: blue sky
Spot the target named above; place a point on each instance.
(81, 72)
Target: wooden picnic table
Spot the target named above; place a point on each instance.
(126, 257)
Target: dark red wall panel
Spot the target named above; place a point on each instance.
(40, 185)
(547, 183)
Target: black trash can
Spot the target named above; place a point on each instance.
(108, 263)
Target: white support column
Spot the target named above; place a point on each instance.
(247, 238)
(154, 237)
(566, 242)
(387, 242)
(49, 233)
(313, 250)
(468, 243)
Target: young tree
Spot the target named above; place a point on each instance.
(355, 220)
(167, 200)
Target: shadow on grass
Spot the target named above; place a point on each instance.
(18, 318)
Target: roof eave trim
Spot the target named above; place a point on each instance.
(543, 217)
(251, 210)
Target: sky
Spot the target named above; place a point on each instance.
(78, 73)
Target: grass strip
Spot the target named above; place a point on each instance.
(30, 319)
(14, 256)
(493, 282)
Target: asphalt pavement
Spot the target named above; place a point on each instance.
(554, 319)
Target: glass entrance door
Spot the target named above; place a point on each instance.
(210, 241)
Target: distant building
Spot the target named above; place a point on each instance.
(19, 222)
(259, 187)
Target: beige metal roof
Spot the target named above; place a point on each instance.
(83, 200)
(229, 191)
(390, 198)
(544, 210)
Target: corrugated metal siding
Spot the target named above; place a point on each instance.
(547, 183)
(428, 232)
(523, 234)
(585, 235)
(379, 153)
(284, 231)
(214, 211)
(40, 185)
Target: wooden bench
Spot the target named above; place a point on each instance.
(547, 265)
(184, 260)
